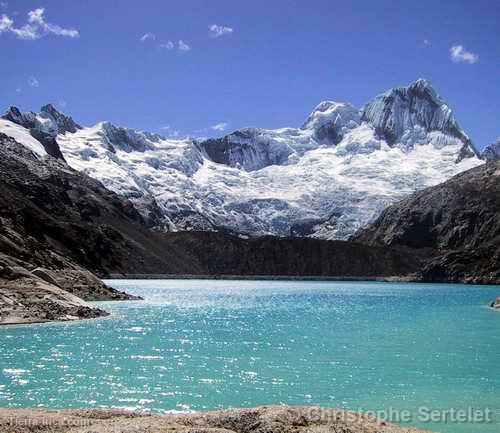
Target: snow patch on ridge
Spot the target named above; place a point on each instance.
(22, 135)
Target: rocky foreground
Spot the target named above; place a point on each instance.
(278, 419)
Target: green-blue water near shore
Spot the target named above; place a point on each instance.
(205, 344)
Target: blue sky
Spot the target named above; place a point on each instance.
(266, 63)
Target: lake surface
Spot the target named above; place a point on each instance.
(204, 344)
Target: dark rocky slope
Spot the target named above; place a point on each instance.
(457, 222)
(223, 254)
(56, 218)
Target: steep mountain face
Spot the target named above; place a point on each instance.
(325, 179)
(57, 218)
(416, 115)
(222, 254)
(457, 221)
(43, 127)
(49, 120)
(492, 151)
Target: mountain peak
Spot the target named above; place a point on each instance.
(423, 88)
(49, 108)
(414, 110)
(421, 83)
(492, 151)
(13, 114)
(64, 123)
(330, 120)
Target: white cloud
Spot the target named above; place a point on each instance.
(27, 32)
(217, 31)
(169, 45)
(33, 82)
(5, 23)
(219, 126)
(182, 46)
(36, 27)
(459, 54)
(147, 36)
(164, 128)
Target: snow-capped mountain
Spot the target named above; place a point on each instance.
(325, 179)
(492, 151)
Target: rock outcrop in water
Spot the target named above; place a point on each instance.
(26, 298)
(457, 222)
(273, 419)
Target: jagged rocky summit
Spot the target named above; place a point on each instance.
(326, 179)
(492, 151)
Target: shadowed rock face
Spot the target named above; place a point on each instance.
(458, 220)
(127, 139)
(247, 148)
(223, 254)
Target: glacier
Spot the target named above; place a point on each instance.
(325, 179)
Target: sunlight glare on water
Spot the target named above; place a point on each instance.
(206, 344)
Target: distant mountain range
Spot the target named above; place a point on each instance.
(327, 179)
(117, 201)
(56, 218)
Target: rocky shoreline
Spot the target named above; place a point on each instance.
(272, 419)
(42, 295)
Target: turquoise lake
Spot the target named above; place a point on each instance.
(204, 344)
